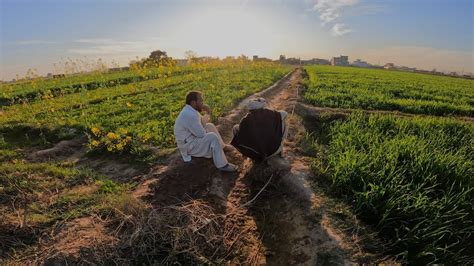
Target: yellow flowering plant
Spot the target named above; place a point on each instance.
(117, 142)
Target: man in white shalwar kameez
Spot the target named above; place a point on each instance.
(196, 137)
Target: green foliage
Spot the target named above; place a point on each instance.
(374, 89)
(109, 186)
(37, 195)
(121, 114)
(145, 110)
(412, 179)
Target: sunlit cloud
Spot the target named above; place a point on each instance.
(330, 10)
(340, 29)
(333, 11)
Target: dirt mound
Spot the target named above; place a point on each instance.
(62, 150)
(74, 151)
(80, 241)
(185, 181)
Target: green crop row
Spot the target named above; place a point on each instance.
(411, 178)
(374, 89)
(144, 110)
(41, 88)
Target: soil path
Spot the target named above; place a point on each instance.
(287, 223)
(271, 213)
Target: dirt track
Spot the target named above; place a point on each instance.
(287, 224)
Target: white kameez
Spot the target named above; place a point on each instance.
(195, 137)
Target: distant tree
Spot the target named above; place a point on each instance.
(190, 56)
(156, 59)
(157, 55)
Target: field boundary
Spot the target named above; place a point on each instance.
(311, 110)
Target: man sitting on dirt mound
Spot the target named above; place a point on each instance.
(196, 137)
(260, 134)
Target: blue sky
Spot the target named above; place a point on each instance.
(422, 33)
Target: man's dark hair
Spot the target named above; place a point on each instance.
(192, 96)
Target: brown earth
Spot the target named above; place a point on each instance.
(287, 223)
(268, 213)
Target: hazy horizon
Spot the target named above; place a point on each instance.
(422, 34)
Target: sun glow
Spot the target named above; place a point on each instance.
(220, 32)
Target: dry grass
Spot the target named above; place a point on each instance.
(189, 232)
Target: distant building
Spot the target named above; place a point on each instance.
(405, 68)
(181, 62)
(340, 61)
(205, 59)
(261, 59)
(118, 69)
(315, 61)
(291, 61)
(360, 63)
(58, 76)
(389, 66)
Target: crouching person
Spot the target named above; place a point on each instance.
(261, 133)
(196, 137)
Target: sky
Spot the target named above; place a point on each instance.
(44, 34)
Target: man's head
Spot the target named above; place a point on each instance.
(194, 98)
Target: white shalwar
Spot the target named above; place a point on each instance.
(195, 137)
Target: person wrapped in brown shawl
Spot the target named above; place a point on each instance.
(260, 134)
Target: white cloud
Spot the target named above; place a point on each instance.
(330, 10)
(340, 29)
(94, 41)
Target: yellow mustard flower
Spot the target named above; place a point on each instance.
(95, 131)
(111, 135)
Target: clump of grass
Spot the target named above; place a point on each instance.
(411, 179)
(38, 195)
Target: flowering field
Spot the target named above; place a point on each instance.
(120, 114)
(409, 177)
(115, 116)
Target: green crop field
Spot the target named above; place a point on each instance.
(116, 116)
(120, 113)
(411, 178)
(375, 89)
(42, 88)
